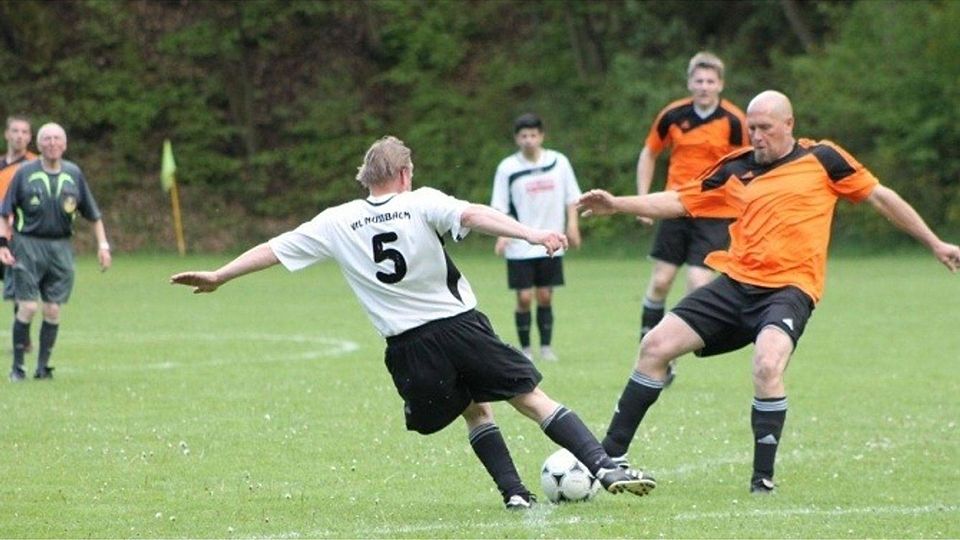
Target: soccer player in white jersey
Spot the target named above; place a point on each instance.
(537, 187)
(442, 353)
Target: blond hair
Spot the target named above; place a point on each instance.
(383, 161)
(705, 60)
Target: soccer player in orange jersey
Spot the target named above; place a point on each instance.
(698, 130)
(17, 135)
(782, 192)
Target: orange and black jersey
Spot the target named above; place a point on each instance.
(696, 143)
(8, 169)
(783, 212)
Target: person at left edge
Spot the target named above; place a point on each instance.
(44, 197)
(443, 355)
(18, 135)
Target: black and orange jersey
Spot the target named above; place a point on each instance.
(8, 169)
(783, 212)
(696, 143)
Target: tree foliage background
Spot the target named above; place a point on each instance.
(271, 104)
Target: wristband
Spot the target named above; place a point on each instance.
(4, 242)
(104, 245)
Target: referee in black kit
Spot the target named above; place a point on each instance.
(44, 197)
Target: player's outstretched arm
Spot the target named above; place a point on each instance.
(485, 219)
(254, 260)
(663, 204)
(891, 206)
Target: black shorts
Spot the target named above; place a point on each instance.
(540, 272)
(440, 367)
(729, 315)
(690, 240)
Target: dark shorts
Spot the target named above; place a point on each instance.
(541, 272)
(7, 281)
(729, 315)
(440, 367)
(44, 269)
(689, 240)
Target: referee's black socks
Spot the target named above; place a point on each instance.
(640, 393)
(766, 418)
(565, 428)
(21, 336)
(48, 336)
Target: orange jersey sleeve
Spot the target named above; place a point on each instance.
(696, 143)
(784, 211)
(8, 170)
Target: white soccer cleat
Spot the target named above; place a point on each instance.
(547, 355)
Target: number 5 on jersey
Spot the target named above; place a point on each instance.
(381, 254)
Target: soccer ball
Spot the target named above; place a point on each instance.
(564, 479)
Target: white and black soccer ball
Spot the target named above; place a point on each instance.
(564, 479)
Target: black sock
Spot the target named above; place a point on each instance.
(545, 324)
(565, 428)
(48, 337)
(488, 444)
(21, 336)
(766, 417)
(522, 319)
(652, 314)
(640, 393)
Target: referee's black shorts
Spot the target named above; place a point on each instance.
(440, 367)
(728, 314)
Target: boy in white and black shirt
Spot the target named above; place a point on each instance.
(537, 187)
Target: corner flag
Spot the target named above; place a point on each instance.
(169, 167)
(168, 181)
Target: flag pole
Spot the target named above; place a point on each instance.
(168, 181)
(177, 224)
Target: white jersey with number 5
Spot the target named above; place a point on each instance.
(389, 249)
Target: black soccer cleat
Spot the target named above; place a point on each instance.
(45, 373)
(626, 480)
(621, 461)
(521, 501)
(762, 486)
(17, 375)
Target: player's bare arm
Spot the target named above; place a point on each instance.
(487, 220)
(646, 165)
(663, 204)
(254, 260)
(573, 226)
(899, 212)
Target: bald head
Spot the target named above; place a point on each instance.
(770, 123)
(773, 103)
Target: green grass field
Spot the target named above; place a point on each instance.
(264, 411)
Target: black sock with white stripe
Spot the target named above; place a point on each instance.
(640, 393)
(488, 444)
(767, 418)
(523, 327)
(565, 428)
